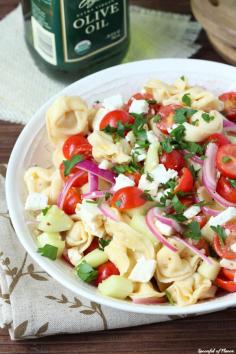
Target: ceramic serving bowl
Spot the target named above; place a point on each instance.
(33, 148)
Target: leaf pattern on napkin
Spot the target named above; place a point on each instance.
(76, 303)
(19, 331)
(16, 273)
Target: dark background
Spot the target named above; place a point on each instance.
(176, 337)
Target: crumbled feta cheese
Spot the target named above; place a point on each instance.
(233, 247)
(122, 181)
(113, 102)
(139, 153)
(130, 138)
(99, 116)
(139, 106)
(36, 201)
(143, 270)
(92, 218)
(164, 229)
(146, 185)
(105, 165)
(74, 255)
(223, 217)
(151, 137)
(162, 175)
(162, 194)
(227, 263)
(192, 211)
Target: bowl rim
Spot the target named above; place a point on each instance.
(201, 307)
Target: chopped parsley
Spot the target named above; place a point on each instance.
(169, 297)
(193, 231)
(131, 167)
(194, 172)
(117, 132)
(48, 251)
(151, 101)
(182, 114)
(69, 164)
(182, 78)
(177, 205)
(186, 99)
(220, 232)
(85, 272)
(178, 133)
(156, 118)
(118, 203)
(147, 196)
(232, 182)
(166, 144)
(177, 217)
(226, 159)
(45, 210)
(149, 177)
(207, 117)
(103, 243)
(138, 126)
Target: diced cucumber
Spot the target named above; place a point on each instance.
(209, 271)
(116, 286)
(95, 258)
(55, 220)
(139, 224)
(53, 239)
(208, 233)
(232, 138)
(152, 159)
(140, 210)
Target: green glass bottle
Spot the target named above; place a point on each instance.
(76, 36)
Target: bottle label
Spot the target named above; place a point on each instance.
(91, 26)
(72, 31)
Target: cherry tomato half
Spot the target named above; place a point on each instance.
(128, 198)
(113, 117)
(94, 244)
(105, 271)
(135, 176)
(218, 139)
(173, 160)
(167, 117)
(226, 160)
(140, 96)
(80, 181)
(187, 201)
(226, 190)
(73, 197)
(224, 251)
(229, 274)
(227, 285)
(185, 182)
(229, 99)
(202, 244)
(77, 144)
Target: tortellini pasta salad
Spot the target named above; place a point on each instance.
(140, 198)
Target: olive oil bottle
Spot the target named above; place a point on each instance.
(77, 36)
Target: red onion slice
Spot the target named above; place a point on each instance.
(94, 194)
(228, 124)
(168, 221)
(68, 184)
(209, 166)
(150, 219)
(194, 158)
(93, 182)
(108, 212)
(193, 249)
(209, 211)
(93, 168)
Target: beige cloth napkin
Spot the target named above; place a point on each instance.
(32, 304)
(23, 88)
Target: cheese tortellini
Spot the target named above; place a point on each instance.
(67, 116)
(38, 179)
(175, 266)
(105, 148)
(191, 290)
(202, 129)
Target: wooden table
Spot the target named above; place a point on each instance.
(181, 336)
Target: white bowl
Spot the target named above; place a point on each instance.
(32, 148)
